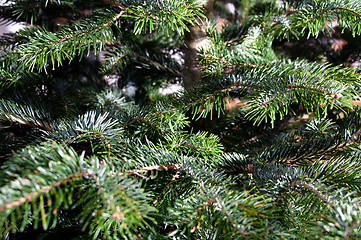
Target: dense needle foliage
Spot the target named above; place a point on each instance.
(80, 159)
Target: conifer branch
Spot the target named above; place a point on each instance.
(25, 115)
(139, 164)
(130, 120)
(332, 10)
(42, 190)
(154, 168)
(107, 144)
(116, 17)
(315, 191)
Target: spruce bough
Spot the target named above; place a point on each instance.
(80, 156)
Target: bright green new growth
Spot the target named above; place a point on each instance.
(78, 155)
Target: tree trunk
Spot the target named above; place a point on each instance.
(194, 40)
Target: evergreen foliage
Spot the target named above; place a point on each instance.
(78, 155)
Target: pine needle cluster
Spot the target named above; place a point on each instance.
(79, 157)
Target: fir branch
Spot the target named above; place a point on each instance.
(123, 209)
(97, 133)
(176, 176)
(317, 15)
(173, 15)
(25, 114)
(67, 42)
(157, 65)
(115, 18)
(130, 120)
(333, 10)
(142, 171)
(315, 191)
(42, 190)
(154, 168)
